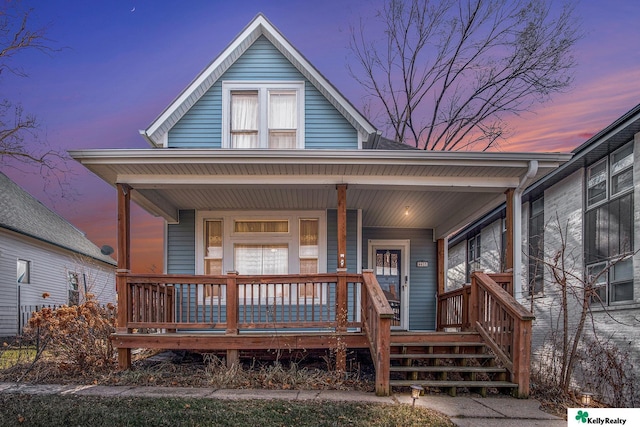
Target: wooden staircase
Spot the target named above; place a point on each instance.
(447, 362)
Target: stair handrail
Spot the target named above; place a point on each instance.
(505, 325)
(376, 321)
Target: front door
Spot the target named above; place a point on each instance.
(387, 259)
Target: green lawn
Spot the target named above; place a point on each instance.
(55, 410)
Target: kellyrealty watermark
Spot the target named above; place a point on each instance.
(603, 417)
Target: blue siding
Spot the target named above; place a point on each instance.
(423, 286)
(181, 252)
(201, 126)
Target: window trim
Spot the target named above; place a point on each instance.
(263, 88)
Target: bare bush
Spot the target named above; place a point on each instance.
(78, 336)
(608, 372)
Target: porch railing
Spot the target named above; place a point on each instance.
(504, 324)
(234, 303)
(377, 316)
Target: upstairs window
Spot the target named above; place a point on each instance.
(263, 116)
(609, 227)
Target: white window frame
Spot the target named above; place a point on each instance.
(27, 273)
(291, 238)
(263, 89)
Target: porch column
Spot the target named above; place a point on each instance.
(342, 225)
(509, 218)
(442, 264)
(341, 291)
(124, 268)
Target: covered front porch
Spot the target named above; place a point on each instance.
(188, 312)
(341, 306)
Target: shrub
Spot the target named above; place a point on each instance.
(78, 335)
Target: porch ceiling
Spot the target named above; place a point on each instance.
(442, 191)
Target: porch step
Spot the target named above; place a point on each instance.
(441, 356)
(467, 384)
(462, 362)
(437, 344)
(475, 369)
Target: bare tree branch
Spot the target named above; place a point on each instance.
(21, 143)
(445, 74)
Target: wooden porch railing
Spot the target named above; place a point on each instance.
(504, 324)
(376, 320)
(453, 309)
(232, 304)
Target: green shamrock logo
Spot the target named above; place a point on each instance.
(582, 416)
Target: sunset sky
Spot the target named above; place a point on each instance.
(122, 62)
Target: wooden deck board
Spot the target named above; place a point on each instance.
(261, 341)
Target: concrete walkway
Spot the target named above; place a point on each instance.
(463, 411)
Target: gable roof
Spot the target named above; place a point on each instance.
(259, 26)
(22, 213)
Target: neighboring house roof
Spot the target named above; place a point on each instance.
(158, 130)
(22, 213)
(595, 148)
(378, 142)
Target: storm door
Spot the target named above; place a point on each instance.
(387, 259)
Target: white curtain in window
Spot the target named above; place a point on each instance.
(244, 120)
(282, 110)
(262, 259)
(283, 119)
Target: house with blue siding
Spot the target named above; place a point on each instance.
(288, 213)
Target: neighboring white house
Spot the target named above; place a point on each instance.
(42, 254)
(593, 200)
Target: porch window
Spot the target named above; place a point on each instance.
(262, 260)
(609, 227)
(263, 115)
(24, 271)
(213, 254)
(262, 243)
(261, 226)
(308, 256)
